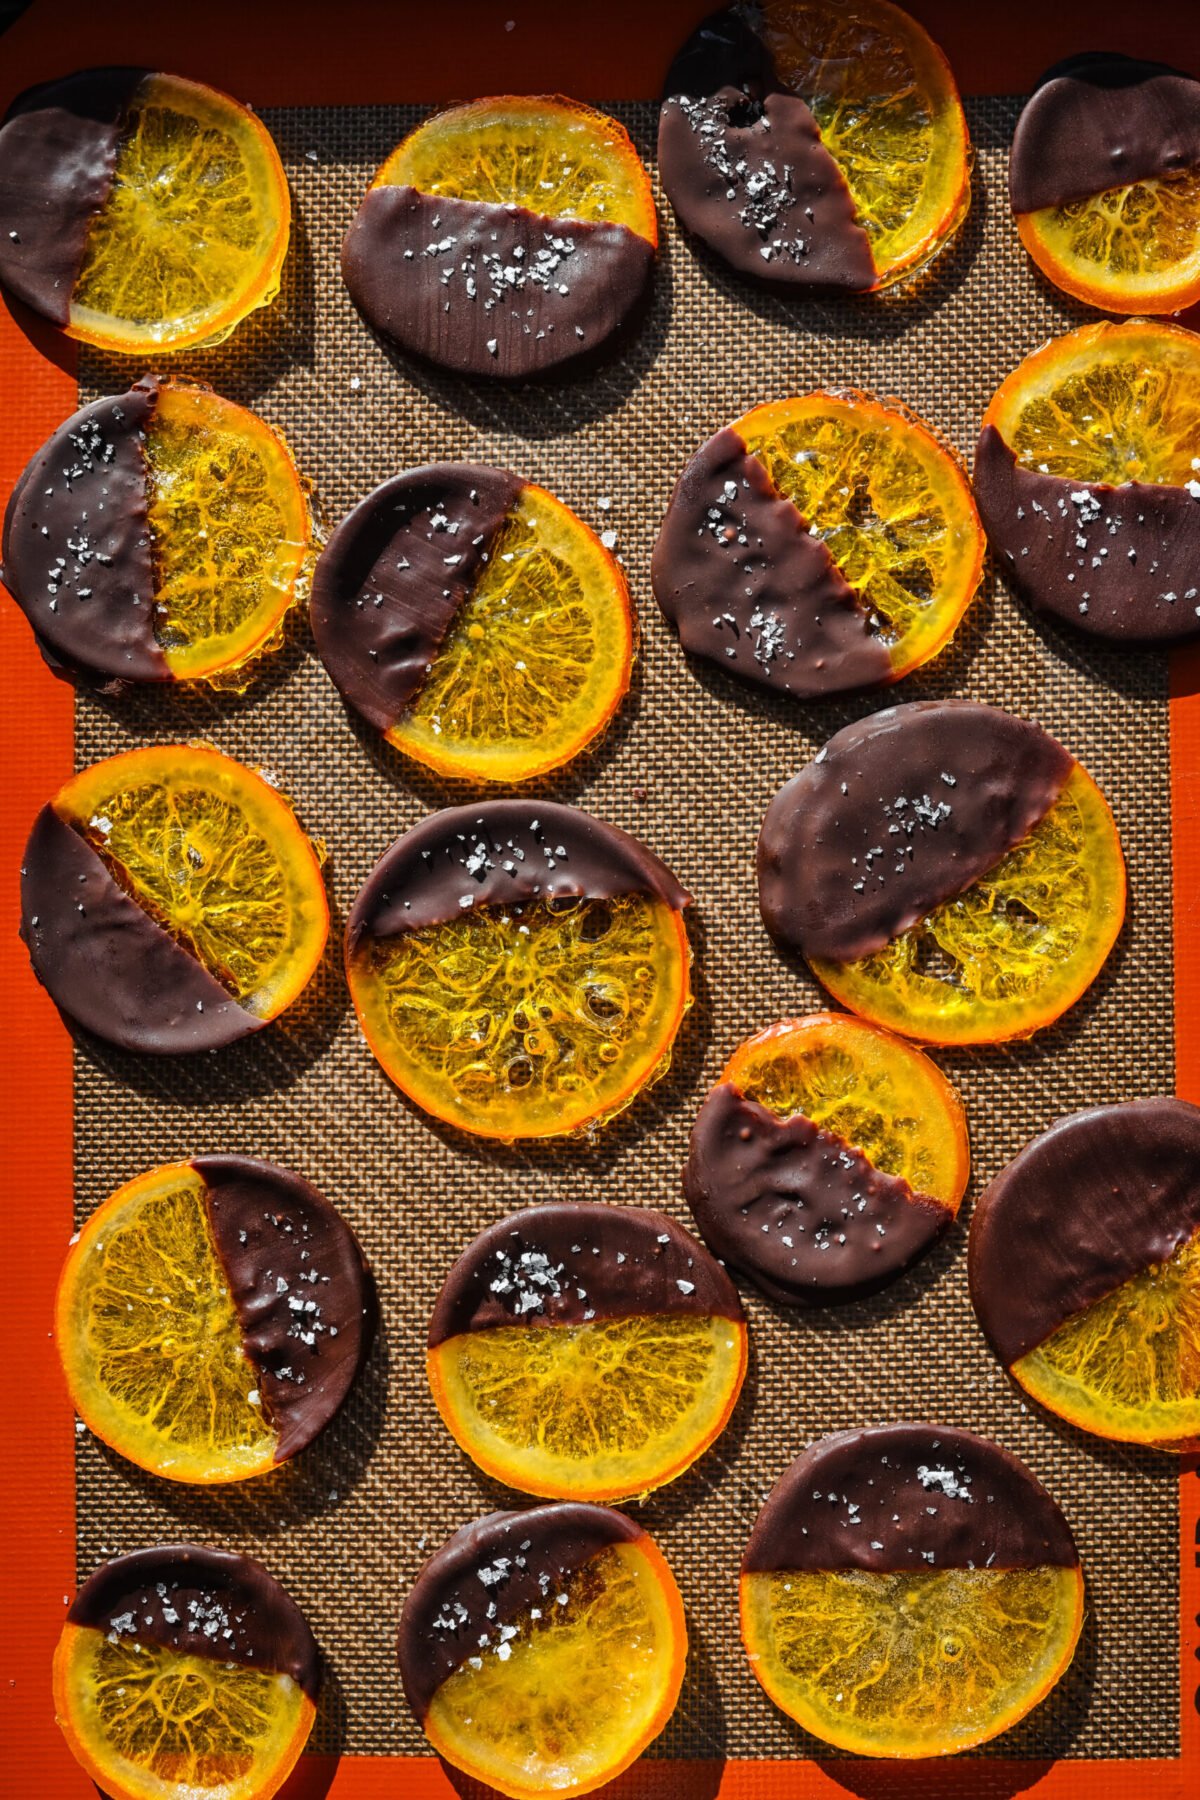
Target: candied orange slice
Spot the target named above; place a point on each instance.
(537, 659)
(1133, 249)
(548, 154)
(1014, 951)
(213, 854)
(888, 110)
(584, 1689)
(195, 228)
(893, 508)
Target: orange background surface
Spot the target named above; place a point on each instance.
(363, 51)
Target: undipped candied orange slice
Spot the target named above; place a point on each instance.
(586, 1352)
(909, 1591)
(542, 1651)
(185, 1674)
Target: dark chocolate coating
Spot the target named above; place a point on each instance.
(895, 1497)
(899, 812)
(499, 853)
(1118, 562)
(1102, 121)
(308, 1337)
(747, 586)
(205, 1603)
(489, 290)
(805, 1215)
(58, 151)
(1095, 1200)
(77, 551)
(490, 1574)
(394, 574)
(570, 1262)
(106, 962)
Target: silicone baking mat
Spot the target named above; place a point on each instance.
(688, 766)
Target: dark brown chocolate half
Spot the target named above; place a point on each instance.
(487, 1576)
(300, 1285)
(500, 853)
(806, 1216)
(1092, 1202)
(394, 574)
(746, 585)
(896, 814)
(895, 1497)
(490, 290)
(203, 1602)
(106, 963)
(77, 552)
(568, 1263)
(1102, 121)
(58, 151)
(1118, 562)
(745, 169)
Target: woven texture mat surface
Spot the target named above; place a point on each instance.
(689, 766)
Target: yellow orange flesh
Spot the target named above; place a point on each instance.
(1133, 249)
(213, 854)
(551, 155)
(537, 659)
(149, 1723)
(892, 507)
(873, 1091)
(1128, 1367)
(889, 113)
(531, 1020)
(1014, 951)
(1107, 403)
(150, 1341)
(913, 1663)
(583, 1689)
(598, 1411)
(194, 231)
(230, 530)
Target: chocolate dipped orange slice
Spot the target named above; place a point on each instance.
(211, 1318)
(909, 1591)
(819, 544)
(519, 969)
(170, 900)
(1084, 1263)
(542, 1651)
(474, 620)
(504, 237)
(138, 210)
(186, 1674)
(586, 1352)
(829, 1157)
(947, 871)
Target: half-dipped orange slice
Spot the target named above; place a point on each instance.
(947, 870)
(909, 1590)
(1087, 475)
(519, 969)
(1104, 180)
(186, 1674)
(170, 900)
(819, 544)
(211, 1317)
(158, 536)
(140, 211)
(475, 621)
(504, 237)
(828, 1158)
(542, 1651)
(1085, 1271)
(816, 145)
(586, 1352)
